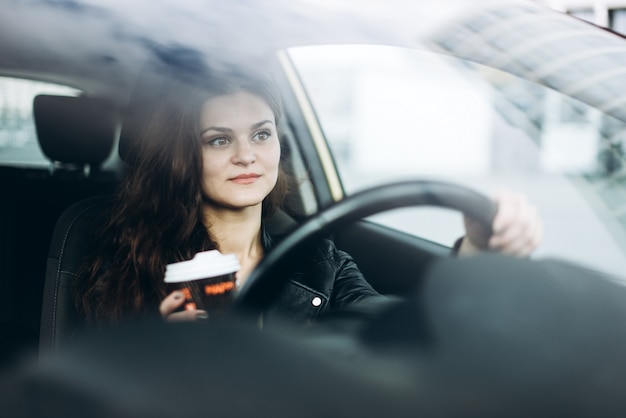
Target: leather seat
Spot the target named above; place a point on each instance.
(72, 240)
(77, 134)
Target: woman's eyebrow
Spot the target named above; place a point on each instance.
(227, 130)
(259, 124)
(216, 128)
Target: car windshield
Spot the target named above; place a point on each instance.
(497, 96)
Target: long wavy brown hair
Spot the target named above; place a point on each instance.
(156, 216)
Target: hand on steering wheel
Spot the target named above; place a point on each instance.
(517, 228)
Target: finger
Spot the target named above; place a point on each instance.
(172, 302)
(524, 251)
(186, 316)
(509, 206)
(522, 238)
(533, 243)
(519, 249)
(506, 217)
(516, 222)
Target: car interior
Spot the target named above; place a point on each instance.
(84, 139)
(48, 213)
(379, 100)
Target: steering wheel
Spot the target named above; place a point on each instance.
(263, 284)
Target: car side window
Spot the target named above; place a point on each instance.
(393, 114)
(18, 137)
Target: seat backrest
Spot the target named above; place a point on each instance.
(72, 241)
(77, 135)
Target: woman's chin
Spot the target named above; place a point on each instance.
(246, 205)
(235, 204)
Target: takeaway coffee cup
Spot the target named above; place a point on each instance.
(207, 281)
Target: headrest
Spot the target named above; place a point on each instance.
(76, 130)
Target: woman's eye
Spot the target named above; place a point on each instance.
(218, 142)
(262, 136)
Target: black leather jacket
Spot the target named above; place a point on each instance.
(327, 279)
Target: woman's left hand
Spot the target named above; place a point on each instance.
(517, 228)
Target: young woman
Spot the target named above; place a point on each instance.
(206, 174)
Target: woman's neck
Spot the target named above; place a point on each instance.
(237, 232)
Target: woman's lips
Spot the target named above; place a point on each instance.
(245, 178)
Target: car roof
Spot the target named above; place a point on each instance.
(100, 46)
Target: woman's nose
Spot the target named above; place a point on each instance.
(244, 153)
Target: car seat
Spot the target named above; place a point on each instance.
(77, 134)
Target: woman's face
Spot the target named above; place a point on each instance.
(240, 150)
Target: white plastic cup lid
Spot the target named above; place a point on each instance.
(203, 265)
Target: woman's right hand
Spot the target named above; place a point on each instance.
(172, 302)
